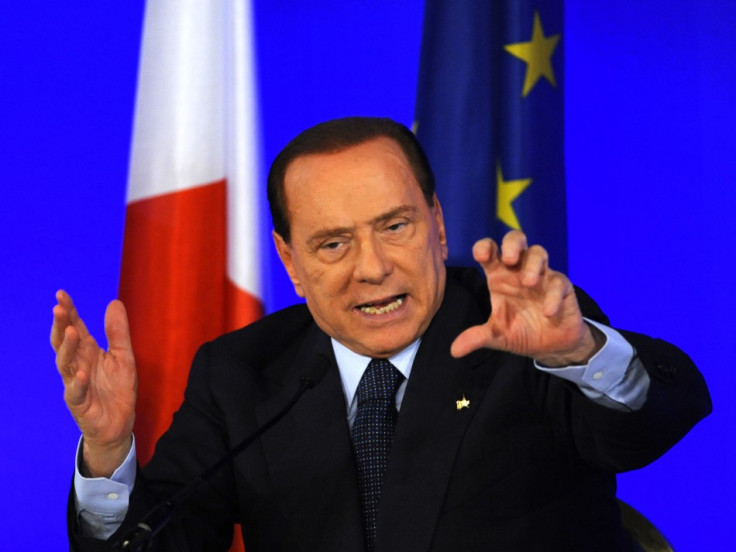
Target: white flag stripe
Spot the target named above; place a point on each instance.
(178, 128)
(243, 159)
(196, 118)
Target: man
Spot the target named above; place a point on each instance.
(515, 411)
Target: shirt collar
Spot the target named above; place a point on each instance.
(352, 365)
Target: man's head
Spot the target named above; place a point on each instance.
(337, 135)
(366, 243)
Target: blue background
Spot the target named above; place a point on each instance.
(650, 164)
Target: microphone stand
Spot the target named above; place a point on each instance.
(140, 537)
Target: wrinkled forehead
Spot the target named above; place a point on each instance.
(351, 187)
(377, 158)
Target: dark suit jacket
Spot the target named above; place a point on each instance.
(529, 466)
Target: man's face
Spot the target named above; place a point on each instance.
(367, 252)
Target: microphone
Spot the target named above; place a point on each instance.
(140, 537)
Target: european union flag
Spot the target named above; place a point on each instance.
(489, 114)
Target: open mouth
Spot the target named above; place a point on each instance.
(383, 307)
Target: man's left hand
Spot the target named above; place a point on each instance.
(534, 311)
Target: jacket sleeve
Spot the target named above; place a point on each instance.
(676, 400)
(194, 442)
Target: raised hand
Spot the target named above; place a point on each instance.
(99, 386)
(534, 309)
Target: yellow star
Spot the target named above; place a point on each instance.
(506, 192)
(462, 403)
(538, 55)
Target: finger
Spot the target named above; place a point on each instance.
(66, 354)
(58, 326)
(75, 388)
(558, 287)
(534, 265)
(472, 339)
(66, 302)
(117, 328)
(485, 253)
(513, 246)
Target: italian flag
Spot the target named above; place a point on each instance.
(190, 267)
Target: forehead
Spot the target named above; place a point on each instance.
(377, 154)
(361, 179)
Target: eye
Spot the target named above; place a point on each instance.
(396, 226)
(331, 245)
(332, 250)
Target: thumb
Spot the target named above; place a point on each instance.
(472, 339)
(117, 329)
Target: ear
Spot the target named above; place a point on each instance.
(284, 251)
(439, 220)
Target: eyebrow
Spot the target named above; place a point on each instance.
(406, 210)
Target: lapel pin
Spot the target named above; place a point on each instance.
(462, 403)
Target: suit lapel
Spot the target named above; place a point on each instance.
(430, 427)
(309, 456)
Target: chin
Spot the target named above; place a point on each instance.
(390, 348)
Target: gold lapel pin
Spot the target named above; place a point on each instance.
(462, 403)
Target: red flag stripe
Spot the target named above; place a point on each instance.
(174, 285)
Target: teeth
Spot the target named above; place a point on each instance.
(370, 309)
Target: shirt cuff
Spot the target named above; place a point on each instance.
(102, 502)
(614, 377)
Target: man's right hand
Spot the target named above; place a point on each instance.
(99, 386)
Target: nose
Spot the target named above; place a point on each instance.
(372, 263)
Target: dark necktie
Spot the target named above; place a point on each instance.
(372, 434)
